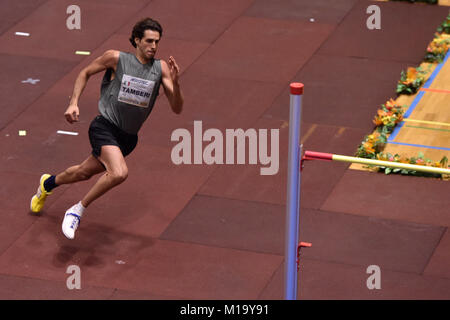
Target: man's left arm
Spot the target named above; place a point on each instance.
(170, 76)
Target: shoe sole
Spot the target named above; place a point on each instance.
(67, 235)
(31, 205)
(62, 228)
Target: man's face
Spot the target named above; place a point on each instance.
(148, 44)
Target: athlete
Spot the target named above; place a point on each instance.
(129, 89)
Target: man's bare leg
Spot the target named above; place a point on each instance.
(80, 172)
(116, 173)
(84, 171)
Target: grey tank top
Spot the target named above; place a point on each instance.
(128, 99)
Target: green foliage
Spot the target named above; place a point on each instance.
(411, 80)
(434, 57)
(445, 26)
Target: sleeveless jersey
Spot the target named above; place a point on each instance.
(128, 99)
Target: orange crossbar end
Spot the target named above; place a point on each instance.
(305, 244)
(312, 155)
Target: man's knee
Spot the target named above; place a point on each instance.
(119, 175)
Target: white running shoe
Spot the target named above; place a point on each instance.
(70, 223)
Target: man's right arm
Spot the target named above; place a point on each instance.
(108, 60)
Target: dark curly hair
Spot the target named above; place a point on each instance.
(142, 25)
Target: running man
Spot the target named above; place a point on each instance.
(128, 92)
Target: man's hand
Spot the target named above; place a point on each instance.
(72, 113)
(174, 70)
(170, 75)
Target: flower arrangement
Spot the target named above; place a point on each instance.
(419, 160)
(411, 81)
(437, 49)
(372, 145)
(389, 115)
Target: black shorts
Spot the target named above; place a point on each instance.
(102, 133)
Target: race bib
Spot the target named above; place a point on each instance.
(135, 91)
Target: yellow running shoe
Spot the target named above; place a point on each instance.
(38, 200)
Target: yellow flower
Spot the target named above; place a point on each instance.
(368, 147)
(390, 103)
(411, 75)
(377, 121)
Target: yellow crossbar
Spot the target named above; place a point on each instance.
(313, 155)
(391, 164)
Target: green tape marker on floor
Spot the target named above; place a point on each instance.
(418, 127)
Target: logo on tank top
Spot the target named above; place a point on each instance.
(135, 91)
